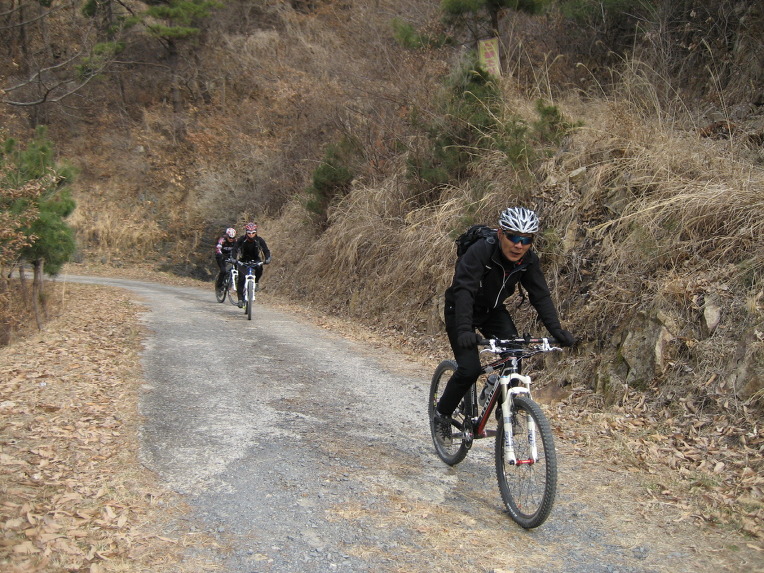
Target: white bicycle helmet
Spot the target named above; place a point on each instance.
(519, 220)
(231, 232)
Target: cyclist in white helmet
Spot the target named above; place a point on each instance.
(484, 276)
(223, 249)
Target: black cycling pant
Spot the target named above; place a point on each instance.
(223, 266)
(496, 323)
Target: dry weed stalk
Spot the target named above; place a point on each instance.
(680, 199)
(117, 230)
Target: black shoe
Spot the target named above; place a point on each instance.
(442, 426)
(240, 304)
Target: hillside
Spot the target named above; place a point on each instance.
(644, 159)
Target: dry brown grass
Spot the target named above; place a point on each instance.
(116, 230)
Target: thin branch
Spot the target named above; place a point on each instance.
(27, 22)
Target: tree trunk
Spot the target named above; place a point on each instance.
(23, 37)
(177, 103)
(38, 296)
(5, 310)
(23, 281)
(179, 125)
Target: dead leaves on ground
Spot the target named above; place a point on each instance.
(71, 497)
(705, 459)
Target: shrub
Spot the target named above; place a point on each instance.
(464, 115)
(333, 176)
(408, 37)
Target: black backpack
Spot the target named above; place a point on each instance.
(474, 233)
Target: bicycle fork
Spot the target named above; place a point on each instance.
(509, 389)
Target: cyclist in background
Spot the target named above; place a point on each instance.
(223, 251)
(247, 249)
(484, 277)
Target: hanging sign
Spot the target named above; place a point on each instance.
(489, 56)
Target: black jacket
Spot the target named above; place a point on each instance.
(224, 248)
(484, 278)
(250, 250)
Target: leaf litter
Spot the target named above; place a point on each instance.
(73, 493)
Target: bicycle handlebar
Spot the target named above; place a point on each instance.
(248, 263)
(497, 345)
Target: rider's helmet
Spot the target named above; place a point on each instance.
(519, 220)
(230, 232)
(251, 228)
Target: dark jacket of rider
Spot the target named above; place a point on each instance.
(483, 279)
(248, 249)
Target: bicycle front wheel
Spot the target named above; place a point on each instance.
(454, 450)
(233, 297)
(528, 487)
(250, 298)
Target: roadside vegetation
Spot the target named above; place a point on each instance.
(35, 203)
(363, 137)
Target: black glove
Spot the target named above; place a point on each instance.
(267, 261)
(564, 337)
(467, 340)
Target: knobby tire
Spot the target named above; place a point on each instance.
(528, 490)
(220, 291)
(250, 298)
(456, 452)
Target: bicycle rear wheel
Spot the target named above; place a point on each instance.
(528, 487)
(250, 298)
(460, 444)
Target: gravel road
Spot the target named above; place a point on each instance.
(300, 450)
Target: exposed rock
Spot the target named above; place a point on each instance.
(748, 378)
(644, 348)
(577, 175)
(712, 315)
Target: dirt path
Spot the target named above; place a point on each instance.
(277, 445)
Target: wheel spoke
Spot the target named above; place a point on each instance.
(528, 487)
(455, 451)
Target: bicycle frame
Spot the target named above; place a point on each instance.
(510, 384)
(231, 280)
(233, 275)
(250, 277)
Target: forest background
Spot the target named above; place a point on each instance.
(363, 139)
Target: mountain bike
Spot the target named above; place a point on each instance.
(250, 285)
(228, 288)
(526, 464)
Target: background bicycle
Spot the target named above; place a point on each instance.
(228, 288)
(524, 451)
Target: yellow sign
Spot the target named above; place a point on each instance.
(489, 56)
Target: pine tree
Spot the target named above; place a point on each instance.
(39, 229)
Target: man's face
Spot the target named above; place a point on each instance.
(514, 245)
(251, 235)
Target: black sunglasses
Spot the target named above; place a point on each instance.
(518, 239)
